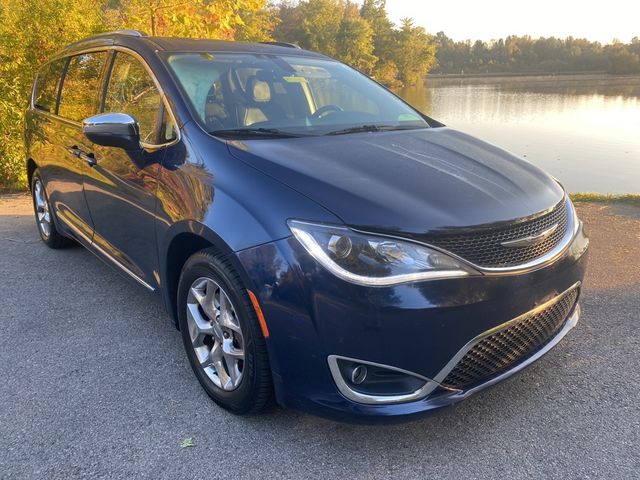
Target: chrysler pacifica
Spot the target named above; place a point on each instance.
(316, 240)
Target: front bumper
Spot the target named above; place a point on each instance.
(418, 327)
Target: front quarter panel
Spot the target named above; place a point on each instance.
(204, 191)
(203, 184)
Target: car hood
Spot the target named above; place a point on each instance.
(413, 181)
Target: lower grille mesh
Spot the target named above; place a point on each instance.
(505, 348)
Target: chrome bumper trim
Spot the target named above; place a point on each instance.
(571, 322)
(442, 374)
(431, 384)
(573, 227)
(365, 398)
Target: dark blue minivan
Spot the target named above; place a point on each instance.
(317, 241)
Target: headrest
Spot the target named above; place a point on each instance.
(259, 90)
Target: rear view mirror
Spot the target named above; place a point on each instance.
(113, 130)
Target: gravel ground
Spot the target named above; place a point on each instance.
(94, 382)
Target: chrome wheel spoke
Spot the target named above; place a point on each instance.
(199, 327)
(218, 363)
(215, 333)
(226, 312)
(40, 202)
(204, 293)
(234, 371)
(197, 292)
(230, 351)
(42, 208)
(208, 302)
(212, 357)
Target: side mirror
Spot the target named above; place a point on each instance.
(113, 130)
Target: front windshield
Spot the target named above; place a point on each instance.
(236, 94)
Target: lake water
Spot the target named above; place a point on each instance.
(584, 130)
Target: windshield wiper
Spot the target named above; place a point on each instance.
(373, 128)
(253, 132)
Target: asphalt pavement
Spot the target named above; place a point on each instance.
(94, 383)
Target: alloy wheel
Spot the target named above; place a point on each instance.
(42, 209)
(215, 333)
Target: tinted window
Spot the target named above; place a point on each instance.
(131, 90)
(81, 85)
(46, 93)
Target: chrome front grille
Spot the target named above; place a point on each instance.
(484, 247)
(507, 347)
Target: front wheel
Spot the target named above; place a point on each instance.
(222, 336)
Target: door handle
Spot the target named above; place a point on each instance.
(74, 150)
(82, 155)
(88, 157)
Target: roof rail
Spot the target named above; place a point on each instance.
(283, 44)
(130, 33)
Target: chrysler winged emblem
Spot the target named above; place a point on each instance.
(532, 239)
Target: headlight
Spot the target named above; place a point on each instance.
(372, 260)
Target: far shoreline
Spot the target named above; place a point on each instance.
(583, 74)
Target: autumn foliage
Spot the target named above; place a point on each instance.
(360, 34)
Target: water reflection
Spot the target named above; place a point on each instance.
(583, 130)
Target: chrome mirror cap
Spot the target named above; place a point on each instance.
(113, 130)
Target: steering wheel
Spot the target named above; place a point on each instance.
(326, 110)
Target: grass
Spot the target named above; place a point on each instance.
(13, 188)
(630, 198)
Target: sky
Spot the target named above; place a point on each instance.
(601, 20)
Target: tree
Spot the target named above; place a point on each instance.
(384, 41)
(289, 26)
(375, 13)
(415, 54)
(355, 45)
(333, 27)
(363, 37)
(257, 25)
(191, 18)
(622, 61)
(521, 54)
(321, 22)
(33, 30)
(30, 32)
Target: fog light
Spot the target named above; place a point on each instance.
(358, 374)
(368, 382)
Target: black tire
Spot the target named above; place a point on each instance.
(52, 239)
(255, 390)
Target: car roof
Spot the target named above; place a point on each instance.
(131, 38)
(170, 44)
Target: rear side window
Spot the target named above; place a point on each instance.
(46, 92)
(80, 90)
(131, 90)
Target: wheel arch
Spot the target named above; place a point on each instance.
(31, 167)
(182, 241)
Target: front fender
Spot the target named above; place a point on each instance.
(205, 193)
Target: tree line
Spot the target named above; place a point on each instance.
(523, 54)
(360, 34)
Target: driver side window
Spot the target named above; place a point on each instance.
(131, 90)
